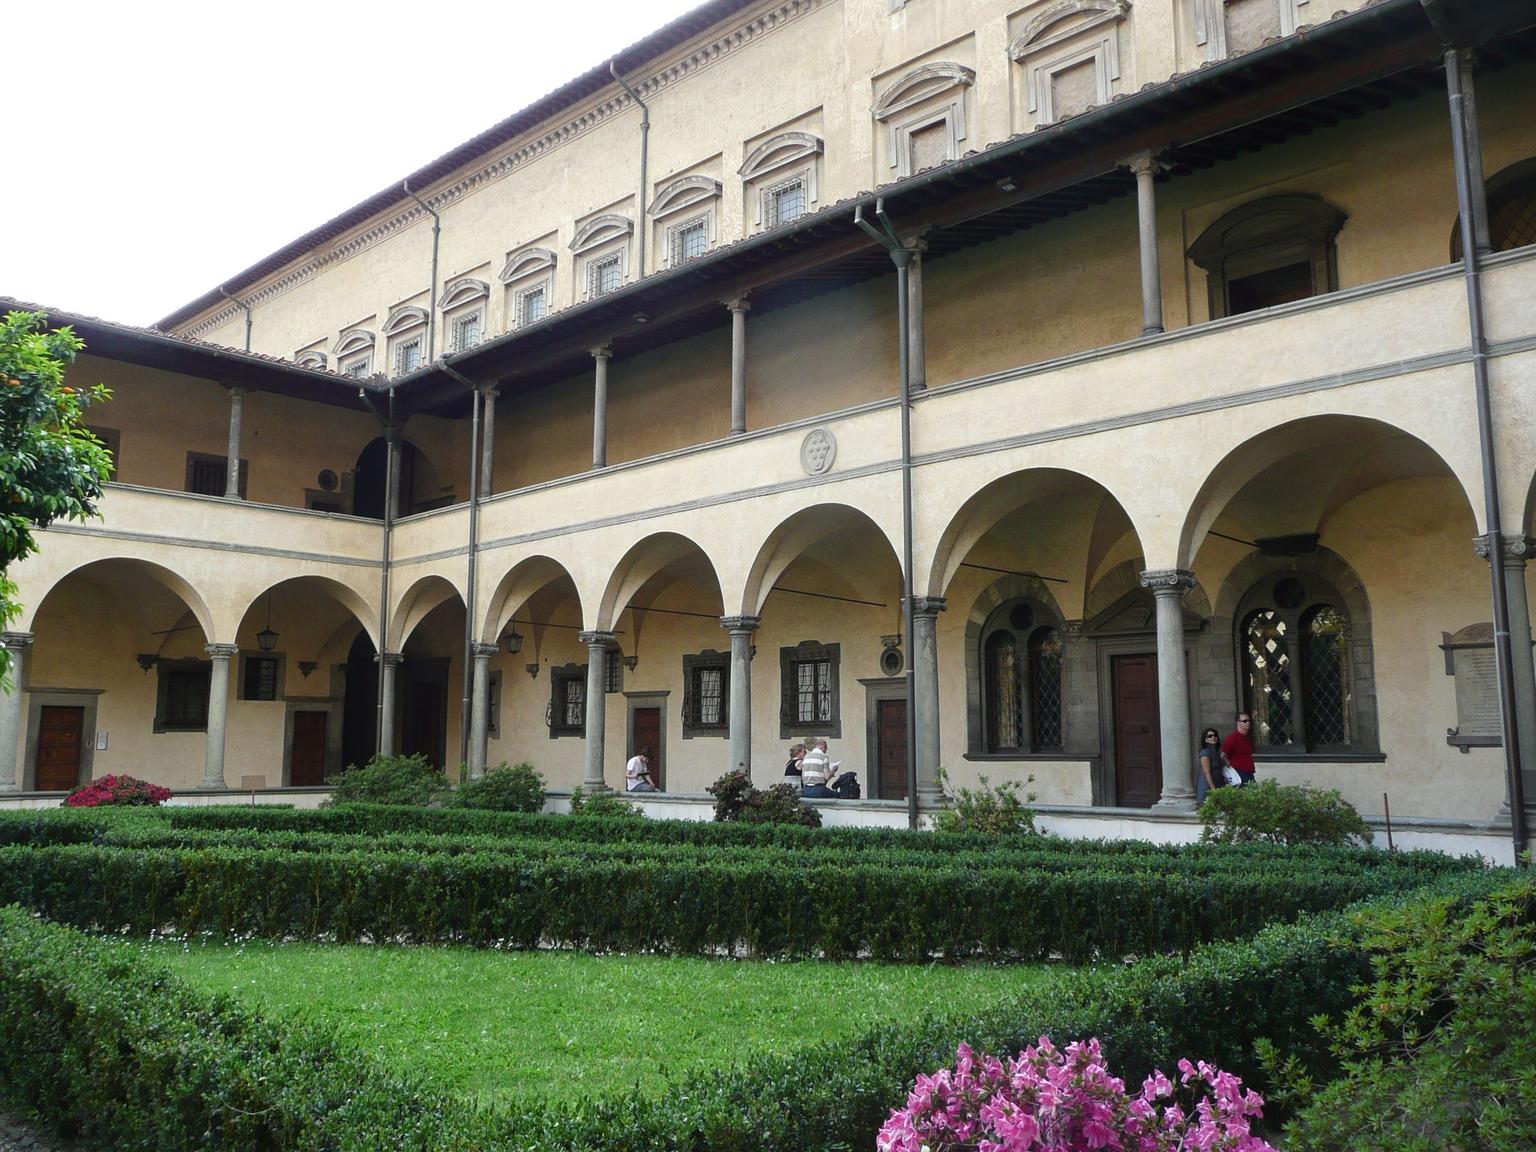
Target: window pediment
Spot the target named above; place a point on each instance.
(782, 150)
(526, 262)
(602, 229)
(684, 193)
(1271, 221)
(354, 341)
(404, 319)
(1056, 24)
(922, 84)
(311, 359)
(464, 290)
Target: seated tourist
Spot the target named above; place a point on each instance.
(792, 767)
(637, 773)
(816, 772)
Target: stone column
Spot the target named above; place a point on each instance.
(600, 358)
(488, 443)
(480, 710)
(218, 713)
(1145, 168)
(917, 347)
(739, 307)
(15, 645)
(925, 695)
(597, 644)
(1169, 586)
(392, 473)
(741, 629)
(1516, 551)
(232, 469)
(391, 662)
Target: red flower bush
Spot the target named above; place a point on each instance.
(117, 790)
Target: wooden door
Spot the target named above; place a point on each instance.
(58, 748)
(646, 733)
(307, 765)
(1138, 741)
(891, 748)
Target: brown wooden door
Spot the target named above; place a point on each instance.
(891, 750)
(308, 762)
(58, 748)
(1138, 743)
(646, 723)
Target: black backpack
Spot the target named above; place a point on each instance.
(847, 786)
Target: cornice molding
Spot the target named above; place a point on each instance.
(703, 57)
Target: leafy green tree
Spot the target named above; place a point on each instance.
(50, 466)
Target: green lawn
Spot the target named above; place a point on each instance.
(493, 1026)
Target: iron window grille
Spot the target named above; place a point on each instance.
(357, 368)
(688, 240)
(613, 671)
(466, 332)
(408, 356)
(260, 678)
(567, 714)
(181, 703)
(532, 305)
(207, 475)
(605, 275)
(784, 202)
(808, 678)
(706, 691)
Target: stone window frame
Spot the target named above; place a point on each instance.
(1266, 234)
(1211, 24)
(790, 658)
(1045, 54)
(596, 245)
(707, 660)
(560, 680)
(778, 163)
(164, 671)
(406, 328)
(279, 675)
(682, 204)
(354, 352)
(518, 278)
(1044, 616)
(928, 95)
(210, 460)
(464, 300)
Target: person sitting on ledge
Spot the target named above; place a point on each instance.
(816, 771)
(637, 773)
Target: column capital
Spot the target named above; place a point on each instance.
(735, 624)
(491, 391)
(1144, 163)
(597, 639)
(485, 651)
(1168, 581)
(1516, 550)
(16, 641)
(738, 303)
(928, 605)
(222, 651)
(237, 389)
(602, 351)
(391, 659)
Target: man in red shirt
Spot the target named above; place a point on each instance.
(1237, 749)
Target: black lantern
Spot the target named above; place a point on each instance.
(513, 642)
(266, 639)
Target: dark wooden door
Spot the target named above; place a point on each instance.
(891, 748)
(58, 748)
(1138, 743)
(647, 734)
(308, 763)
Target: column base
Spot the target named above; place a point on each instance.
(929, 799)
(595, 789)
(1176, 805)
(212, 786)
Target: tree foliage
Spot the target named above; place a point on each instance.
(51, 467)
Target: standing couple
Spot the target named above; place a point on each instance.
(1225, 762)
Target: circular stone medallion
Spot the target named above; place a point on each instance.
(817, 451)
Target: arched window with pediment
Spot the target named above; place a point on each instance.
(1269, 252)
(1293, 640)
(1511, 210)
(1021, 661)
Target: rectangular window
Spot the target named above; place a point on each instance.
(706, 692)
(568, 701)
(808, 678)
(689, 240)
(784, 202)
(605, 275)
(408, 356)
(357, 368)
(613, 671)
(466, 332)
(532, 305)
(181, 703)
(206, 474)
(259, 678)
(493, 707)
(813, 691)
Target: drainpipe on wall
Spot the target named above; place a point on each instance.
(391, 447)
(465, 703)
(437, 231)
(645, 147)
(1503, 652)
(901, 256)
(224, 292)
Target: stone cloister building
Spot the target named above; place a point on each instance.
(1196, 354)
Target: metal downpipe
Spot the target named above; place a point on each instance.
(437, 232)
(233, 299)
(645, 149)
(1503, 653)
(474, 539)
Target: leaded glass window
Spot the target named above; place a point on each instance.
(1021, 662)
(1045, 687)
(1325, 663)
(1004, 699)
(1267, 677)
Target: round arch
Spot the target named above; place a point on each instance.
(649, 560)
(796, 533)
(309, 586)
(415, 604)
(517, 586)
(172, 581)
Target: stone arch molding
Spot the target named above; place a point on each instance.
(352, 341)
(464, 290)
(683, 193)
(921, 84)
(527, 262)
(171, 580)
(404, 319)
(792, 536)
(640, 562)
(348, 597)
(1032, 38)
(778, 152)
(413, 605)
(600, 230)
(517, 586)
(314, 359)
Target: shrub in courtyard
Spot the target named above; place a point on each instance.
(603, 805)
(1438, 1050)
(990, 810)
(1066, 1101)
(390, 780)
(515, 788)
(113, 790)
(1289, 814)
(737, 800)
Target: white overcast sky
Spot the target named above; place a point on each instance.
(155, 149)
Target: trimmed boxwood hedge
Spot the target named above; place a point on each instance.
(100, 1041)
